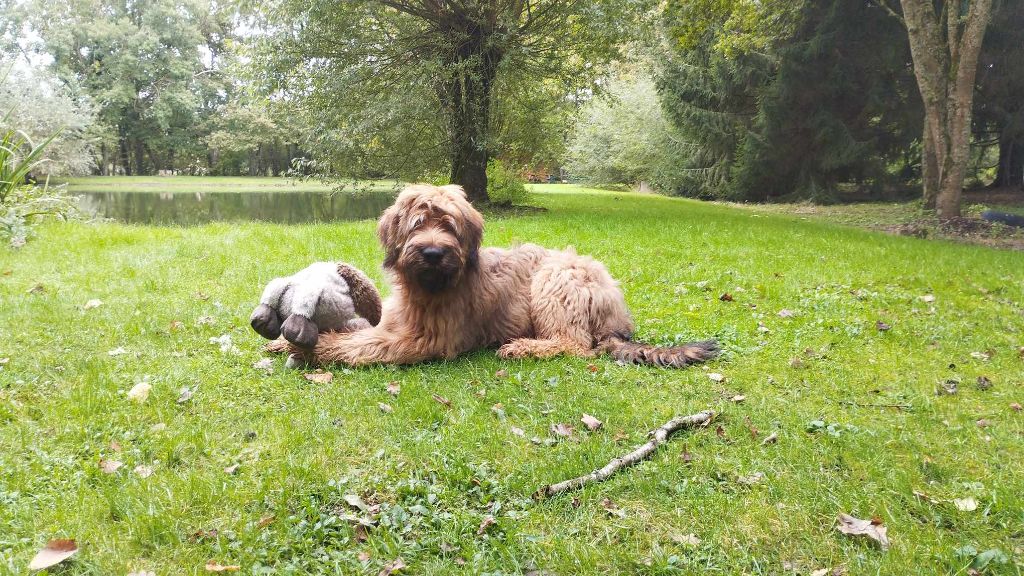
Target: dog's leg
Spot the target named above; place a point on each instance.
(543, 348)
(370, 346)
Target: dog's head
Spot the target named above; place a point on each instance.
(431, 236)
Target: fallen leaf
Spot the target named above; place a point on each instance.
(204, 321)
(115, 445)
(738, 398)
(265, 364)
(686, 540)
(770, 439)
(796, 362)
(966, 504)
(984, 383)
(786, 313)
(501, 374)
(392, 567)
(719, 431)
(980, 355)
(762, 328)
(518, 431)
(319, 377)
(361, 534)
(949, 387)
(110, 466)
(441, 400)
(117, 351)
(983, 423)
(590, 422)
(144, 471)
(686, 456)
(363, 556)
(214, 566)
(752, 479)
(1015, 406)
(716, 377)
(820, 572)
(231, 469)
(185, 395)
(393, 388)
(498, 410)
(37, 289)
(725, 297)
(55, 552)
(265, 521)
(857, 527)
(142, 573)
(592, 368)
(176, 325)
(487, 523)
(158, 427)
(140, 392)
(94, 303)
(620, 436)
(882, 326)
(385, 408)
(612, 508)
(560, 429)
(447, 548)
(480, 393)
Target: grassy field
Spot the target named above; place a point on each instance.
(261, 469)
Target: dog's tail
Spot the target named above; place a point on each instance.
(626, 350)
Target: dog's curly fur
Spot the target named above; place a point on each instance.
(450, 296)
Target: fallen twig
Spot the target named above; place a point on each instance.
(860, 405)
(658, 436)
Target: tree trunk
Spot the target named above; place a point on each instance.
(126, 157)
(945, 49)
(1010, 172)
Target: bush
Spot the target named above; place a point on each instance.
(22, 202)
(505, 187)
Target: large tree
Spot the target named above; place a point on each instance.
(407, 85)
(945, 41)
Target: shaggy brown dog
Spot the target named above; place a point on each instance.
(450, 296)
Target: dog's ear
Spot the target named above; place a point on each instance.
(474, 235)
(387, 231)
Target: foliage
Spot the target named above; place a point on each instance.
(624, 137)
(399, 88)
(998, 107)
(37, 105)
(437, 472)
(793, 114)
(22, 202)
(505, 187)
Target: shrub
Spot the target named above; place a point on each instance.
(504, 186)
(21, 201)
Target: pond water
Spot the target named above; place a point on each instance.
(200, 207)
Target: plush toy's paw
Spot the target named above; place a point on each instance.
(300, 331)
(266, 322)
(295, 361)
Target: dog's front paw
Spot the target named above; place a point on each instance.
(266, 322)
(300, 331)
(511, 350)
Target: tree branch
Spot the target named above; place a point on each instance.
(658, 436)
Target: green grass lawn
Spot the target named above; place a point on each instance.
(860, 427)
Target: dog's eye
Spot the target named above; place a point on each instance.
(416, 222)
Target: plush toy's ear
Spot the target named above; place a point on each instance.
(387, 231)
(365, 297)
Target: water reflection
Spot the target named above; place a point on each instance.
(201, 207)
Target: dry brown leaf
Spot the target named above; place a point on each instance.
(592, 368)
(185, 395)
(590, 422)
(55, 552)
(612, 508)
(686, 456)
(214, 566)
(620, 436)
(716, 377)
(770, 439)
(319, 377)
(385, 408)
(355, 501)
(144, 471)
(94, 303)
(110, 466)
(1015, 406)
(487, 523)
(265, 521)
(686, 539)
(796, 362)
(392, 567)
(983, 423)
(115, 445)
(231, 469)
(563, 430)
(518, 431)
(363, 556)
(857, 527)
(265, 364)
(441, 400)
(394, 388)
(176, 325)
(501, 373)
(725, 297)
(882, 326)
(984, 383)
(966, 504)
(786, 313)
(738, 398)
(140, 392)
(752, 479)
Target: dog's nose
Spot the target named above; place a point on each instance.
(432, 254)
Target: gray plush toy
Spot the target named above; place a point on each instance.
(326, 296)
